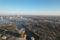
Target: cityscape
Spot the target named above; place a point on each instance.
(29, 27)
(29, 19)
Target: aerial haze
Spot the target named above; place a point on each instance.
(30, 7)
(29, 19)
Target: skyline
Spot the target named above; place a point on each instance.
(29, 7)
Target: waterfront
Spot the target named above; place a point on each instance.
(40, 29)
(19, 25)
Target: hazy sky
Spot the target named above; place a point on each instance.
(30, 7)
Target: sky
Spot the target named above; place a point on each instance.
(30, 7)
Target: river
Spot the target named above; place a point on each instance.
(19, 26)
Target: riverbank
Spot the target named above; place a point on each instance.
(31, 33)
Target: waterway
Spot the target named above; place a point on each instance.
(20, 26)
